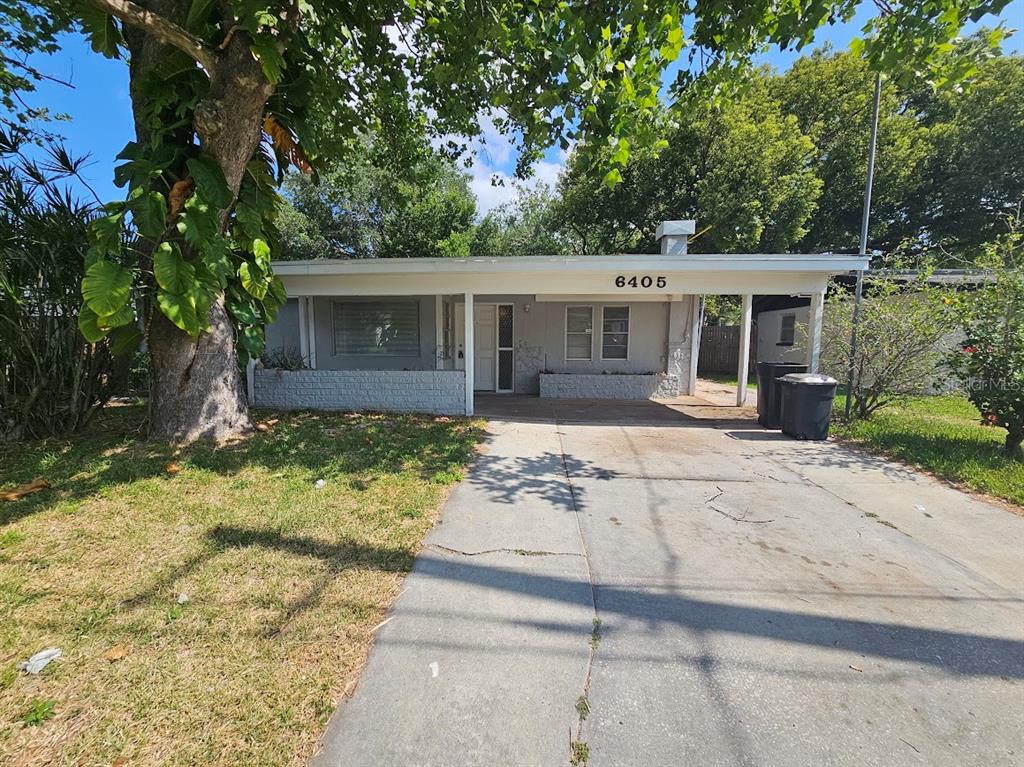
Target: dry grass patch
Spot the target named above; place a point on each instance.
(283, 583)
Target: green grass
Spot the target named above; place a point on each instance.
(284, 582)
(943, 435)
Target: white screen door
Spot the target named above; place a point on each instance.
(485, 333)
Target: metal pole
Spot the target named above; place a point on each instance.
(859, 292)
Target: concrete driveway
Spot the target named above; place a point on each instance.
(708, 593)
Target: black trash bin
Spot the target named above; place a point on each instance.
(768, 373)
(806, 404)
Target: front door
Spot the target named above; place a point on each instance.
(485, 334)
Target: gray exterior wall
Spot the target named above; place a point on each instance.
(283, 333)
(539, 336)
(431, 391)
(583, 386)
(769, 327)
(658, 339)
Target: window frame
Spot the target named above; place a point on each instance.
(782, 327)
(385, 354)
(629, 331)
(565, 334)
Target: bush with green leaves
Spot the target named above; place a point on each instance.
(990, 363)
(900, 338)
(51, 380)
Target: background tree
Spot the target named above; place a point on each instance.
(990, 363)
(522, 227)
(362, 208)
(740, 167)
(216, 86)
(976, 164)
(830, 95)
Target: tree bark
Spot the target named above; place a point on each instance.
(196, 388)
(195, 383)
(1014, 446)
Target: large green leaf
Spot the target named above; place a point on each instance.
(150, 214)
(101, 30)
(173, 273)
(210, 182)
(253, 280)
(105, 231)
(277, 289)
(125, 340)
(198, 222)
(261, 251)
(122, 316)
(245, 311)
(251, 339)
(106, 287)
(216, 255)
(87, 323)
(179, 309)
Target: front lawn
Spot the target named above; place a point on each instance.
(944, 435)
(212, 605)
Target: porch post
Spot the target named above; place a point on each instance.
(311, 332)
(742, 368)
(250, 383)
(438, 332)
(814, 331)
(467, 353)
(303, 331)
(696, 319)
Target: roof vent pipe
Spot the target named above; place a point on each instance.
(673, 236)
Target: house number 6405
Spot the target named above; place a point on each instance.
(633, 281)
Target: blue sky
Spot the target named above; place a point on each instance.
(101, 121)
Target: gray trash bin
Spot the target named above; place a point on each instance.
(768, 374)
(806, 404)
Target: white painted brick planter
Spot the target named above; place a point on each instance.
(421, 391)
(583, 386)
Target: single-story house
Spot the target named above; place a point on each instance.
(426, 334)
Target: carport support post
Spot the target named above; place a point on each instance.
(743, 365)
(814, 331)
(467, 352)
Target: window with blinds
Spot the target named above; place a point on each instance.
(579, 332)
(388, 328)
(615, 333)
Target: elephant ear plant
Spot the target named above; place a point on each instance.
(228, 95)
(990, 363)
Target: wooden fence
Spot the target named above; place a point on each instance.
(719, 349)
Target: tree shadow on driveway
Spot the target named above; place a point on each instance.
(961, 653)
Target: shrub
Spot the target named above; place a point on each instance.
(990, 363)
(51, 379)
(899, 341)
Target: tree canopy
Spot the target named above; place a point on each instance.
(363, 209)
(740, 167)
(226, 96)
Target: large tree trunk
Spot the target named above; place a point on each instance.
(1014, 445)
(196, 386)
(196, 389)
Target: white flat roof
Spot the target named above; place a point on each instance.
(713, 262)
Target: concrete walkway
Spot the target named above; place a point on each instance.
(761, 601)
